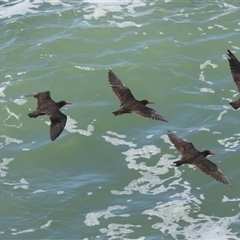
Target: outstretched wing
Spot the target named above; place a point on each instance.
(122, 92)
(148, 112)
(183, 146)
(58, 122)
(212, 169)
(41, 96)
(235, 68)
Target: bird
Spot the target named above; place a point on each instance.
(235, 70)
(192, 156)
(46, 106)
(128, 102)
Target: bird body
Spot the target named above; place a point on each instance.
(235, 70)
(46, 106)
(128, 103)
(192, 156)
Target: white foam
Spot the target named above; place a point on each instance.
(203, 227)
(3, 86)
(221, 26)
(60, 192)
(229, 6)
(20, 8)
(116, 134)
(149, 136)
(207, 63)
(3, 165)
(145, 152)
(219, 118)
(117, 229)
(24, 231)
(152, 177)
(202, 78)
(209, 90)
(92, 219)
(118, 141)
(229, 144)
(85, 68)
(226, 199)
(26, 6)
(9, 140)
(124, 24)
(72, 128)
(10, 115)
(204, 129)
(40, 191)
(48, 224)
(99, 9)
(21, 184)
(20, 101)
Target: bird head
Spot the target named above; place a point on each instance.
(207, 152)
(63, 103)
(145, 102)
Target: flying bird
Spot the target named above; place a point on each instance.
(128, 103)
(192, 156)
(235, 70)
(46, 106)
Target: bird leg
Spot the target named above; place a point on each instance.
(35, 114)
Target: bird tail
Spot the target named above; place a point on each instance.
(235, 104)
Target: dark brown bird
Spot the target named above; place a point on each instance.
(46, 106)
(128, 103)
(192, 156)
(235, 70)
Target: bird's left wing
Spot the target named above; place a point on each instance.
(149, 113)
(212, 169)
(58, 122)
(235, 68)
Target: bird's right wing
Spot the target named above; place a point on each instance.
(122, 92)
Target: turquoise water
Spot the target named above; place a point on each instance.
(110, 177)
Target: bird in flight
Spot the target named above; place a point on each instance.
(46, 106)
(128, 103)
(190, 155)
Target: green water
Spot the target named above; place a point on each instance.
(110, 177)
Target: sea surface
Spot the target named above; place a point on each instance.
(109, 177)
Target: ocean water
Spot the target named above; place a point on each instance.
(110, 177)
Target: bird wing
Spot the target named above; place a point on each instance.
(212, 169)
(183, 146)
(58, 122)
(41, 96)
(122, 92)
(148, 112)
(235, 68)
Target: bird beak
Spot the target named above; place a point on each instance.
(212, 153)
(151, 102)
(69, 103)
